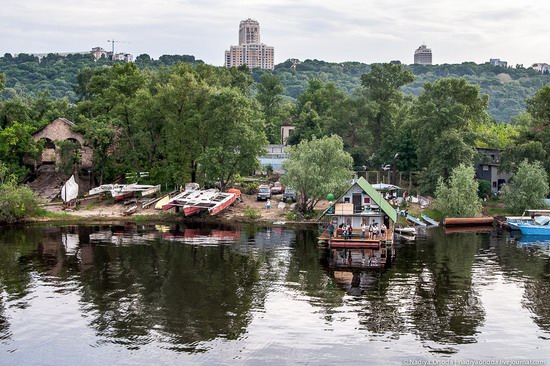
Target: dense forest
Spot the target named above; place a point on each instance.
(507, 88)
(188, 121)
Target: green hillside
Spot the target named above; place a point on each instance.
(507, 87)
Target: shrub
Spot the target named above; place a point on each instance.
(251, 214)
(16, 202)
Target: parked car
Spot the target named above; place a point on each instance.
(264, 192)
(289, 195)
(277, 188)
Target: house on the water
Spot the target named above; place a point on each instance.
(361, 204)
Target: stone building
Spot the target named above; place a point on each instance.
(58, 130)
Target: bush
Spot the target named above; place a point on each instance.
(251, 214)
(484, 188)
(250, 188)
(17, 203)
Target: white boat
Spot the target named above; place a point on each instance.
(122, 191)
(405, 230)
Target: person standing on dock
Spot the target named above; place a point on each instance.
(268, 204)
(363, 229)
(383, 230)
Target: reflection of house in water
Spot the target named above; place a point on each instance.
(360, 205)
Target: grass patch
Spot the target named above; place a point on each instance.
(434, 214)
(43, 213)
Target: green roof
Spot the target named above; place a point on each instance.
(377, 198)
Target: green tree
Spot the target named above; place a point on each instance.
(233, 137)
(458, 198)
(527, 188)
(382, 86)
(315, 168)
(444, 118)
(269, 96)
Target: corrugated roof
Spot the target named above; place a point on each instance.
(374, 195)
(377, 198)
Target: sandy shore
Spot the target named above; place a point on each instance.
(107, 210)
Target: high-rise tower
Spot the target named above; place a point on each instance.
(423, 55)
(250, 51)
(249, 32)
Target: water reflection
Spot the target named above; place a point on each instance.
(187, 288)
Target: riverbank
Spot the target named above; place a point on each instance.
(249, 210)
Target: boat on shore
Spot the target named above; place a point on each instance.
(416, 220)
(408, 230)
(195, 201)
(122, 191)
(429, 220)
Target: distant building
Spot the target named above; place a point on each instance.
(275, 156)
(541, 67)
(250, 51)
(488, 168)
(98, 53)
(498, 62)
(286, 131)
(423, 55)
(126, 57)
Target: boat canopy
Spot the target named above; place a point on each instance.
(542, 220)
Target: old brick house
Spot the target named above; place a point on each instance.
(58, 130)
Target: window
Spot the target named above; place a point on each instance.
(486, 167)
(366, 200)
(346, 199)
(494, 184)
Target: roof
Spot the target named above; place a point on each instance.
(377, 198)
(374, 195)
(64, 120)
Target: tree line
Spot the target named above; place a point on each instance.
(196, 122)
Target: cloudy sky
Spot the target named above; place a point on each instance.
(345, 30)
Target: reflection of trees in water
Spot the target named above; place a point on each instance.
(528, 262)
(428, 292)
(187, 294)
(307, 276)
(537, 296)
(445, 306)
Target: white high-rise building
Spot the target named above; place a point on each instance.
(250, 51)
(423, 55)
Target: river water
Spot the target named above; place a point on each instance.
(167, 295)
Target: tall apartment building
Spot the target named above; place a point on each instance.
(250, 51)
(423, 55)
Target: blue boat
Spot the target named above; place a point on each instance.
(540, 226)
(429, 220)
(415, 220)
